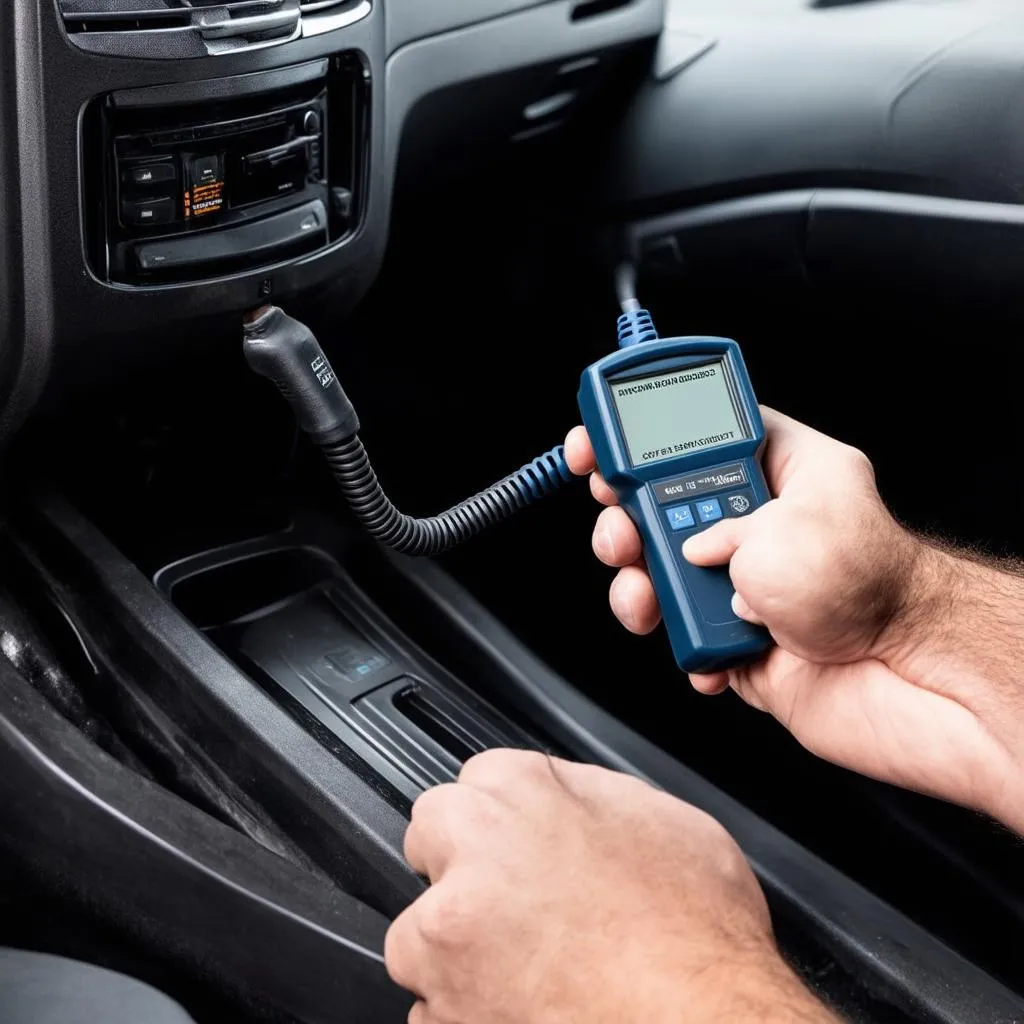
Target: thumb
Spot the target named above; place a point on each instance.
(717, 544)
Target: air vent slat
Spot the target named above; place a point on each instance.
(127, 21)
(197, 27)
(315, 6)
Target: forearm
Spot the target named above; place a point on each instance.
(960, 633)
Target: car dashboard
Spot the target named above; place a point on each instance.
(174, 163)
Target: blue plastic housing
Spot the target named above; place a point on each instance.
(668, 498)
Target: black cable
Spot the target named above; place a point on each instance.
(432, 536)
(285, 351)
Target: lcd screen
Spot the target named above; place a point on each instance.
(677, 413)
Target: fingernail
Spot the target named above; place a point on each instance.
(603, 544)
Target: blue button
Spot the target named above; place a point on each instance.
(709, 510)
(680, 517)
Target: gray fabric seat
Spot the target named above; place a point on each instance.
(36, 988)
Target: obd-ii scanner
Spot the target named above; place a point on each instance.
(676, 430)
(678, 436)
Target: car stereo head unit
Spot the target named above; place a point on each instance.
(197, 190)
(198, 172)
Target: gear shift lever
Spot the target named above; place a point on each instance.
(286, 352)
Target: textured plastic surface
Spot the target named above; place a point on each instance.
(909, 96)
(323, 647)
(704, 633)
(343, 823)
(185, 886)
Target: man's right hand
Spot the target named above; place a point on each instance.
(845, 592)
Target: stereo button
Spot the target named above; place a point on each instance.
(145, 175)
(148, 212)
(206, 169)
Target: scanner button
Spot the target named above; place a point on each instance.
(708, 510)
(680, 517)
(739, 504)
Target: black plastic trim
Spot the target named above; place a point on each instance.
(959, 247)
(183, 885)
(347, 826)
(305, 226)
(212, 90)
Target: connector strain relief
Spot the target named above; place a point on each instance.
(635, 328)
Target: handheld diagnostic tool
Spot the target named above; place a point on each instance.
(676, 430)
(678, 436)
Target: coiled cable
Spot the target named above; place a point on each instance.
(436, 534)
(286, 352)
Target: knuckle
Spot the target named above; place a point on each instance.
(430, 804)
(449, 919)
(712, 833)
(858, 458)
(499, 768)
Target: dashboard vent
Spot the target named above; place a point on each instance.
(318, 6)
(129, 21)
(198, 28)
(594, 8)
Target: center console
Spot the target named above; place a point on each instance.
(293, 694)
(198, 180)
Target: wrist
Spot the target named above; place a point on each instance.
(762, 989)
(957, 632)
(917, 582)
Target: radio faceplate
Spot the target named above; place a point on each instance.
(206, 171)
(176, 175)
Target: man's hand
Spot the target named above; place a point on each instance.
(851, 599)
(567, 894)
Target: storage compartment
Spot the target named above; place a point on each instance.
(223, 592)
(293, 620)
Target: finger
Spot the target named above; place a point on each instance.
(633, 600)
(443, 819)
(602, 493)
(717, 544)
(579, 452)
(789, 441)
(747, 693)
(405, 953)
(742, 610)
(711, 684)
(616, 540)
(419, 1014)
(774, 683)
